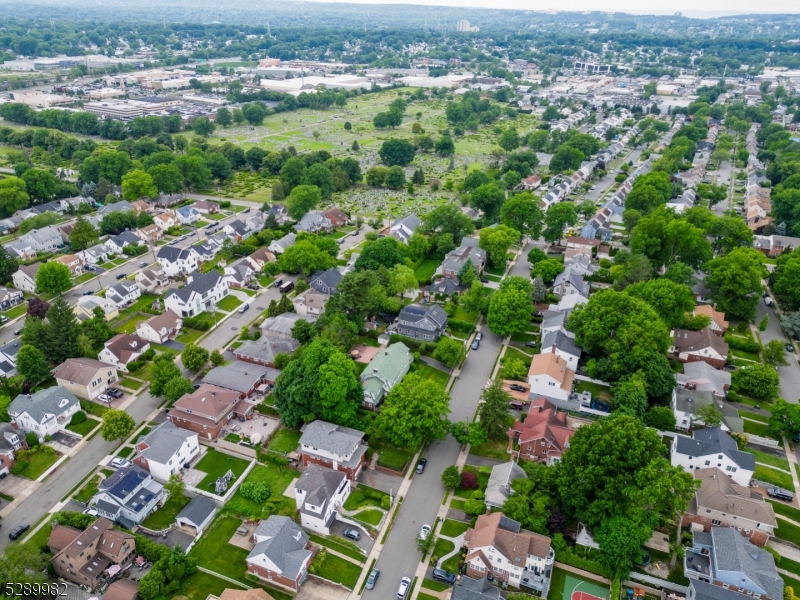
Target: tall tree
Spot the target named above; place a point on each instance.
(670, 300)
(734, 282)
(511, 308)
(32, 364)
(194, 357)
(493, 411)
(303, 199)
(8, 265)
(557, 218)
(13, 196)
(137, 184)
(83, 235)
(496, 241)
(117, 425)
(63, 331)
(53, 278)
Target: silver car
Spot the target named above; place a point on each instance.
(373, 577)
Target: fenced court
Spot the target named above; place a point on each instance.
(576, 588)
(585, 596)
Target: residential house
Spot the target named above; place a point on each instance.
(85, 377)
(498, 489)
(336, 217)
(188, 215)
(568, 282)
(310, 303)
(21, 250)
(24, 278)
(197, 515)
(577, 294)
(177, 261)
(405, 227)
(238, 274)
(74, 202)
(206, 207)
(703, 377)
(237, 230)
(422, 323)
(689, 346)
(9, 298)
(555, 320)
(531, 183)
(264, 350)
(280, 327)
(712, 447)
(166, 200)
(386, 369)
(498, 546)
(259, 258)
(128, 496)
(207, 410)
(10, 442)
(320, 493)
(94, 255)
(544, 435)
(207, 249)
(579, 264)
(121, 206)
(718, 323)
(117, 243)
(577, 245)
(550, 376)
(243, 377)
(281, 554)
(687, 403)
(564, 346)
(455, 259)
(445, 286)
(85, 306)
(84, 557)
(201, 292)
(724, 562)
(141, 206)
(123, 293)
(45, 239)
(721, 502)
(160, 328)
(255, 221)
(122, 349)
(313, 222)
(333, 446)
(45, 412)
(150, 279)
(280, 212)
(149, 234)
(280, 246)
(166, 220)
(8, 358)
(72, 262)
(325, 282)
(165, 450)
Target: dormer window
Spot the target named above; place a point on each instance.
(63, 402)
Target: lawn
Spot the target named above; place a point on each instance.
(426, 269)
(512, 353)
(483, 480)
(126, 451)
(85, 428)
(88, 491)
(285, 440)
(200, 585)
(337, 569)
(457, 503)
(434, 374)
(265, 280)
(497, 449)
(229, 303)
(145, 301)
(525, 337)
(436, 586)
(130, 325)
(498, 271)
(788, 531)
(341, 546)
(753, 416)
(452, 528)
(769, 459)
(364, 496)
(215, 465)
(393, 458)
(786, 510)
(83, 278)
(752, 356)
(189, 336)
(165, 516)
(451, 564)
(277, 480)
(131, 384)
(774, 477)
(758, 429)
(215, 553)
(601, 392)
(371, 516)
(38, 462)
(17, 311)
(442, 548)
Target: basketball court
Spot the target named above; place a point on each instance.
(579, 589)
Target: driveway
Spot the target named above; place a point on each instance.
(66, 439)
(385, 482)
(176, 537)
(365, 543)
(14, 485)
(314, 590)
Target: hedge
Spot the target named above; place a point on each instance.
(412, 343)
(463, 326)
(195, 323)
(569, 556)
(745, 345)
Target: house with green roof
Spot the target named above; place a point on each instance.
(385, 371)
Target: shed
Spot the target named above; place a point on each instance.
(197, 515)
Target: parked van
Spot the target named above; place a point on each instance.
(402, 591)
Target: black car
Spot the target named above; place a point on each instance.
(443, 576)
(421, 465)
(18, 531)
(517, 387)
(277, 283)
(531, 344)
(87, 293)
(121, 276)
(780, 494)
(789, 347)
(484, 280)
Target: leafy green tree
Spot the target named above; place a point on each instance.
(649, 191)
(734, 282)
(177, 387)
(137, 184)
(496, 241)
(13, 196)
(774, 353)
(664, 238)
(62, 332)
(164, 369)
(117, 425)
(219, 166)
(759, 381)
(784, 418)
(786, 280)
(320, 176)
(386, 252)
(566, 158)
(630, 396)
(401, 280)
(511, 309)
(24, 564)
(167, 179)
(217, 359)
(395, 177)
(203, 126)
(522, 213)
(547, 270)
(223, 118)
(509, 140)
(488, 198)
(53, 278)
(660, 418)
(194, 357)
(529, 506)
(535, 255)
(448, 218)
(445, 146)
(32, 365)
(415, 410)
(449, 352)
(8, 265)
(398, 152)
(708, 415)
(40, 184)
(634, 268)
(451, 478)
(473, 433)
(493, 411)
(83, 235)
(557, 218)
(670, 300)
(303, 199)
(303, 331)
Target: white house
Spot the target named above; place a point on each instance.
(45, 412)
(310, 303)
(201, 292)
(95, 254)
(166, 219)
(188, 215)
(160, 328)
(320, 493)
(712, 447)
(165, 450)
(563, 346)
(117, 243)
(123, 293)
(177, 261)
(280, 246)
(238, 274)
(24, 278)
(122, 349)
(281, 554)
(45, 239)
(550, 376)
(404, 228)
(128, 496)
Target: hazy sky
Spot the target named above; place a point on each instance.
(690, 8)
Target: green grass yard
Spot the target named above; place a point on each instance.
(442, 548)
(85, 428)
(215, 553)
(786, 510)
(371, 516)
(452, 528)
(393, 458)
(601, 392)
(38, 462)
(426, 269)
(362, 496)
(88, 491)
(759, 429)
(285, 440)
(774, 477)
(788, 531)
(229, 303)
(277, 480)
(131, 384)
(434, 374)
(337, 569)
(497, 449)
(215, 465)
(340, 545)
(769, 459)
(165, 516)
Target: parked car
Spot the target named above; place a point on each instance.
(352, 534)
(780, 494)
(443, 576)
(3, 319)
(143, 264)
(87, 293)
(120, 463)
(88, 267)
(402, 591)
(373, 577)
(19, 530)
(244, 308)
(277, 283)
(114, 393)
(768, 301)
(789, 347)
(475, 344)
(245, 211)
(105, 398)
(517, 387)
(421, 465)
(196, 386)
(122, 276)
(531, 344)
(484, 280)
(91, 512)
(479, 336)
(516, 405)
(425, 532)
(18, 331)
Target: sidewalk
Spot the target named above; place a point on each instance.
(792, 458)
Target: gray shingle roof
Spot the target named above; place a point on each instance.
(266, 348)
(126, 237)
(561, 341)
(285, 545)
(239, 376)
(164, 441)
(283, 324)
(475, 589)
(239, 227)
(43, 402)
(320, 485)
(338, 440)
(200, 284)
(329, 278)
(733, 552)
(501, 476)
(712, 440)
(172, 254)
(197, 511)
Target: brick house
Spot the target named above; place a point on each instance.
(333, 446)
(282, 553)
(544, 436)
(207, 410)
(705, 345)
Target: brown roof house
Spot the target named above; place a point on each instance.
(543, 436)
(498, 546)
(122, 349)
(207, 410)
(85, 377)
(160, 328)
(720, 501)
(337, 217)
(253, 594)
(691, 346)
(122, 589)
(718, 323)
(83, 557)
(259, 258)
(550, 376)
(72, 262)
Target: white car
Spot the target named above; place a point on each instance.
(105, 398)
(426, 530)
(120, 463)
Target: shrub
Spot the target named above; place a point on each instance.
(78, 417)
(386, 502)
(196, 323)
(745, 345)
(255, 490)
(134, 366)
(148, 355)
(469, 481)
(225, 204)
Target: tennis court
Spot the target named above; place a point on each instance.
(579, 589)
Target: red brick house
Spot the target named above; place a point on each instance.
(544, 436)
(337, 217)
(207, 410)
(333, 446)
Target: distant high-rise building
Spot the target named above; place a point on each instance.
(463, 25)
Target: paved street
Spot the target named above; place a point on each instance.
(790, 376)
(400, 556)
